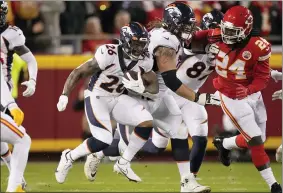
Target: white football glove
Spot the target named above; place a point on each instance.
(212, 50)
(276, 75)
(134, 85)
(277, 95)
(30, 88)
(207, 99)
(278, 154)
(62, 103)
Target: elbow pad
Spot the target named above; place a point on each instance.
(171, 80)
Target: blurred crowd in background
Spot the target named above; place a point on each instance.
(101, 20)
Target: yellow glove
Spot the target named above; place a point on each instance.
(17, 113)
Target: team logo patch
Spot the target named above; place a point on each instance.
(247, 55)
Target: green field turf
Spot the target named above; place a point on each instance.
(157, 177)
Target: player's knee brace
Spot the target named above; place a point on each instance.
(96, 145)
(143, 132)
(258, 154)
(255, 141)
(180, 149)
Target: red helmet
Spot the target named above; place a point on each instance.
(236, 24)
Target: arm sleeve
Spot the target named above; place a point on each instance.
(6, 97)
(261, 77)
(32, 65)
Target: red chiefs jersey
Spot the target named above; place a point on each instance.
(247, 66)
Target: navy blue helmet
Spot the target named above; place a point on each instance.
(134, 39)
(211, 20)
(179, 19)
(3, 13)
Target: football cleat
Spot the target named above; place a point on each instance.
(189, 184)
(126, 170)
(64, 166)
(24, 184)
(91, 166)
(19, 189)
(223, 153)
(276, 188)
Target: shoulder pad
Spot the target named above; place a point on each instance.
(161, 37)
(14, 36)
(105, 55)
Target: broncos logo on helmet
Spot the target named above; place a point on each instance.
(211, 20)
(179, 19)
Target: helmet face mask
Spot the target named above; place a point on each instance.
(187, 30)
(3, 13)
(137, 48)
(236, 25)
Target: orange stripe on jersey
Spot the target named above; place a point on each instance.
(12, 127)
(247, 137)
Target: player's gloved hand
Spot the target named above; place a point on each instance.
(276, 75)
(62, 103)
(17, 113)
(242, 92)
(30, 88)
(212, 50)
(134, 85)
(207, 99)
(277, 95)
(278, 154)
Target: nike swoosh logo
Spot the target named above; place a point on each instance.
(166, 38)
(93, 174)
(123, 171)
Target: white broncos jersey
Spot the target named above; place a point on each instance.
(12, 37)
(108, 82)
(193, 70)
(162, 37)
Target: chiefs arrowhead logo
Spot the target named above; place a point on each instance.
(247, 55)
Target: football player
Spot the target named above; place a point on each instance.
(12, 132)
(104, 98)
(193, 71)
(166, 44)
(14, 42)
(242, 65)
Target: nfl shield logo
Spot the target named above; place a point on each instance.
(246, 55)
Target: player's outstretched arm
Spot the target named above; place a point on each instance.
(166, 61)
(84, 70)
(29, 58)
